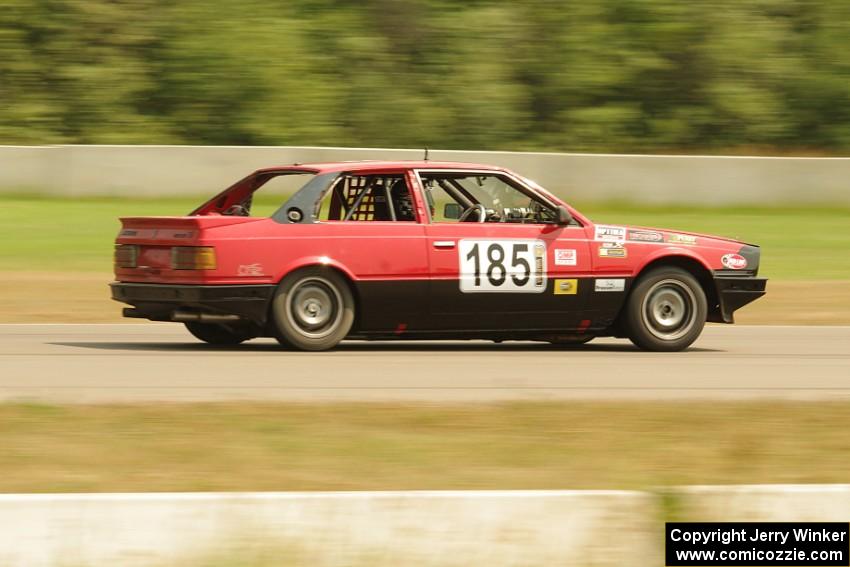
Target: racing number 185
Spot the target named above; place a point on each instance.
(502, 265)
(496, 272)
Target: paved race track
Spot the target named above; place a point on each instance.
(160, 361)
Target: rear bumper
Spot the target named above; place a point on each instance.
(159, 302)
(733, 293)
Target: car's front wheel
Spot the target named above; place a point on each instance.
(313, 309)
(219, 334)
(666, 310)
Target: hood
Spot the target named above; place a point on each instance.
(668, 231)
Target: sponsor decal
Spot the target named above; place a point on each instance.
(610, 233)
(734, 261)
(502, 266)
(565, 257)
(540, 265)
(250, 270)
(645, 236)
(682, 239)
(610, 284)
(612, 250)
(566, 287)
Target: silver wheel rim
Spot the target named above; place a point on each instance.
(314, 307)
(669, 309)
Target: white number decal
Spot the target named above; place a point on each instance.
(502, 266)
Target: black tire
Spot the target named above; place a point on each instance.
(666, 310)
(313, 309)
(219, 334)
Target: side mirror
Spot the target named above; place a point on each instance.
(564, 216)
(452, 211)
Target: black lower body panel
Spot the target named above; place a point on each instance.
(733, 293)
(159, 301)
(414, 309)
(405, 309)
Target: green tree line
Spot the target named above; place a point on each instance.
(591, 75)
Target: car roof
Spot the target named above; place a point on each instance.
(367, 165)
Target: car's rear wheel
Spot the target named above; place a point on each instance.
(219, 334)
(666, 310)
(313, 309)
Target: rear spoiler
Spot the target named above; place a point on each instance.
(196, 222)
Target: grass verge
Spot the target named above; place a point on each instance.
(255, 446)
(58, 235)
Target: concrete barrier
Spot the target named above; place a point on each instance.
(196, 170)
(29, 168)
(768, 503)
(494, 528)
(446, 528)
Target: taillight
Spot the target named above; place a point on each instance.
(126, 255)
(193, 258)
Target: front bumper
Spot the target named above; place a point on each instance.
(159, 302)
(733, 293)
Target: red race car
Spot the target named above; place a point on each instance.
(421, 250)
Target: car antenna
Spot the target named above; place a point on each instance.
(426, 154)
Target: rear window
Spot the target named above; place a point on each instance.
(259, 195)
(276, 190)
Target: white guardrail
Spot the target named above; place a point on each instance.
(201, 170)
(446, 528)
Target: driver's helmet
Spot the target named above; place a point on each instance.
(402, 203)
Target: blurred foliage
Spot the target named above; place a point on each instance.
(595, 75)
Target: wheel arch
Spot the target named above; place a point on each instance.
(315, 262)
(329, 264)
(697, 268)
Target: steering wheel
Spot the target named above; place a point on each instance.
(482, 213)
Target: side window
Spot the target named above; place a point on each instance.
(465, 197)
(367, 198)
(445, 204)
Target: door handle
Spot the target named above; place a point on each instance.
(444, 244)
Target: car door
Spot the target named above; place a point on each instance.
(515, 271)
(368, 222)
